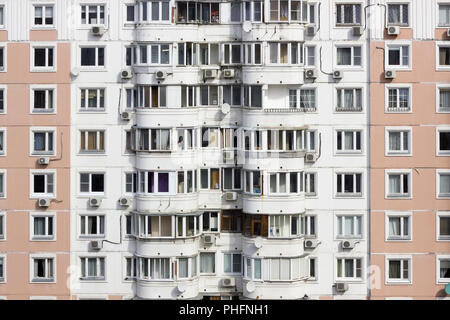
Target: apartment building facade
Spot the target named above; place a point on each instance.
(211, 149)
(409, 148)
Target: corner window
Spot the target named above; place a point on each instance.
(348, 14)
(92, 183)
(93, 57)
(93, 14)
(43, 15)
(43, 269)
(398, 14)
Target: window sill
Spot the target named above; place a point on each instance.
(43, 27)
(101, 280)
(398, 154)
(346, 196)
(46, 280)
(97, 110)
(39, 111)
(398, 197)
(42, 238)
(90, 237)
(399, 282)
(42, 154)
(348, 280)
(43, 70)
(92, 69)
(39, 196)
(398, 239)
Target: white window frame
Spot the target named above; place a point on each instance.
(135, 6)
(389, 281)
(98, 217)
(232, 253)
(47, 216)
(353, 194)
(97, 277)
(441, 44)
(402, 131)
(340, 91)
(439, 24)
(308, 192)
(439, 173)
(438, 97)
(47, 195)
(98, 5)
(46, 88)
(307, 221)
(440, 153)
(134, 182)
(3, 195)
(399, 45)
(352, 46)
(252, 11)
(98, 107)
(3, 47)
(402, 216)
(90, 193)
(3, 131)
(98, 133)
(299, 58)
(2, 15)
(233, 180)
(45, 68)
(252, 269)
(4, 230)
(4, 279)
(316, 268)
(4, 90)
(96, 66)
(134, 268)
(148, 48)
(250, 57)
(355, 218)
(307, 55)
(354, 22)
(401, 4)
(439, 214)
(54, 269)
(149, 20)
(401, 195)
(215, 263)
(251, 192)
(46, 131)
(43, 7)
(440, 280)
(355, 278)
(150, 270)
(397, 109)
(342, 132)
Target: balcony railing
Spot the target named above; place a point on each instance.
(399, 109)
(348, 109)
(289, 110)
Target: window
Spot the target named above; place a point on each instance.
(44, 58)
(152, 97)
(252, 182)
(252, 53)
(310, 56)
(443, 264)
(2, 58)
(303, 98)
(310, 183)
(2, 184)
(232, 53)
(209, 179)
(154, 182)
(284, 226)
(43, 100)
(154, 11)
(210, 138)
(399, 100)
(207, 262)
(131, 96)
(312, 268)
(188, 96)
(253, 11)
(92, 14)
(229, 138)
(308, 226)
(93, 57)
(398, 142)
(209, 95)
(398, 56)
(187, 53)
(92, 226)
(209, 53)
(43, 15)
(398, 14)
(2, 16)
(253, 269)
(285, 53)
(349, 184)
(231, 178)
(399, 226)
(398, 270)
(129, 227)
(2, 99)
(131, 267)
(253, 96)
(444, 56)
(43, 142)
(444, 99)
(155, 226)
(288, 10)
(187, 267)
(232, 263)
(349, 226)
(2, 269)
(130, 182)
(256, 225)
(92, 268)
(443, 226)
(92, 183)
(444, 15)
(2, 142)
(43, 269)
(285, 182)
(443, 141)
(43, 184)
(92, 141)
(231, 221)
(348, 14)
(210, 221)
(443, 178)
(235, 11)
(194, 12)
(349, 100)
(130, 141)
(153, 139)
(159, 54)
(131, 10)
(349, 268)
(188, 226)
(349, 56)
(42, 227)
(2, 226)
(231, 95)
(348, 141)
(92, 99)
(398, 185)
(185, 140)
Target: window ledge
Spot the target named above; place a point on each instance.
(43, 280)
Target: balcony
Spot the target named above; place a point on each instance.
(349, 109)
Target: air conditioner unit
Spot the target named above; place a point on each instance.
(337, 74)
(95, 202)
(231, 196)
(96, 245)
(358, 31)
(228, 73)
(208, 239)
(43, 161)
(448, 33)
(126, 74)
(390, 74)
(311, 244)
(209, 74)
(44, 203)
(124, 201)
(393, 30)
(160, 75)
(228, 156)
(348, 244)
(125, 116)
(98, 30)
(341, 286)
(311, 74)
(311, 30)
(310, 157)
(228, 282)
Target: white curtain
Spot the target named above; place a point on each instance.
(348, 98)
(394, 141)
(394, 13)
(394, 270)
(165, 141)
(445, 184)
(348, 226)
(257, 269)
(394, 226)
(39, 226)
(275, 269)
(394, 184)
(227, 263)
(444, 14)
(348, 140)
(349, 268)
(207, 263)
(445, 269)
(444, 99)
(344, 56)
(92, 267)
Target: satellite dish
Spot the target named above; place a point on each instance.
(226, 108)
(181, 287)
(258, 242)
(250, 286)
(247, 26)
